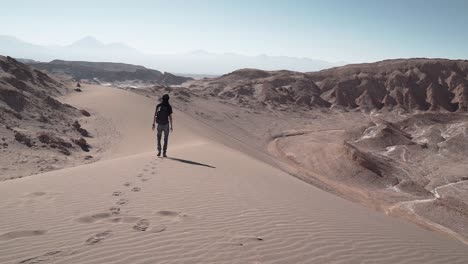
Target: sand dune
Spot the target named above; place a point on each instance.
(208, 204)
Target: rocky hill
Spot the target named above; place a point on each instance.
(33, 122)
(414, 84)
(109, 72)
(25, 92)
(403, 84)
(256, 87)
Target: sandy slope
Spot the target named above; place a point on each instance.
(213, 205)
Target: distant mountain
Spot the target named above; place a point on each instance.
(195, 62)
(90, 46)
(14, 47)
(109, 72)
(86, 42)
(220, 63)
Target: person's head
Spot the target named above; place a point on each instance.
(165, 98)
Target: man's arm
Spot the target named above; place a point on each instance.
(170, 120)
(154, 118)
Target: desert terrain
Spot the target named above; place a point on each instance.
(227, 194)
(390, 135)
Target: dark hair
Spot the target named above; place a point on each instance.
(165, 98)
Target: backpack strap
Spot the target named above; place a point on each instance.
(156, 113)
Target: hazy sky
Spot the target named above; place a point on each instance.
(332, 30)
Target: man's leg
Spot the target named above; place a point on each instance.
(160, 129)
(166, 138)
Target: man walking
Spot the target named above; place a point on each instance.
(163, 117)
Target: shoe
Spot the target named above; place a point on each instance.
(164, 155)
(159, 154)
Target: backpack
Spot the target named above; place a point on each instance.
(162, 114)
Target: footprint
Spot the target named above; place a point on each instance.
(136, 189)
(98, 237)
(173, 216)
(125, 219)
(127, 184)
(34, 197)
(117, 193)
(158, 229)
(140, 175)
(48, 257)
(115, 210)
(144, 179)
(93, 218)
(141, 225)
(167, 213)
(21, 233)
(115, 220)
(130, 219)
(122, 201)
(35, 194)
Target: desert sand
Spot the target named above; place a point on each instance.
(207, 203)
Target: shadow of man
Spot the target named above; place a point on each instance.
(192, 162)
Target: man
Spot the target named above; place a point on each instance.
(163, 117)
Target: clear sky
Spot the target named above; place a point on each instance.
(332, 30)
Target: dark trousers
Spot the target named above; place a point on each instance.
(161, 129)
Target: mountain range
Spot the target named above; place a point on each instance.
(194, 62)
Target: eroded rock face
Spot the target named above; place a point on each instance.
(413, 84)
(32, 120)
(423, 151)
(404, 85)
(256, 87)
(26, 94)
